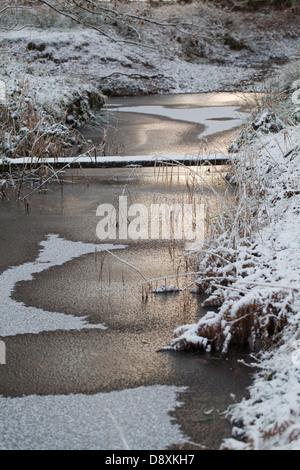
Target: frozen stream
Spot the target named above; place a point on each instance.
(171, 124)
(85, 366)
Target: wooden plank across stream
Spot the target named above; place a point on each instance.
(122, 161)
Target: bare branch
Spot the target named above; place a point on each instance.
(73, 16)
(14, 7)
(135, 75)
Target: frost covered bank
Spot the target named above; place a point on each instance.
(252, 273)
(271, 294)
(41, 110)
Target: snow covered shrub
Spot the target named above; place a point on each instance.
(27, 131)
(274, 109)
(263, 123)
(249, 316)
(285, 87)
(277, 107)
(21, 128)
(267, 122)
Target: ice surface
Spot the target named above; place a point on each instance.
(129, 419)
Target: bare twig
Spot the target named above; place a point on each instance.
(130, 265)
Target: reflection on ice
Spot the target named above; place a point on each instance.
(215, 118)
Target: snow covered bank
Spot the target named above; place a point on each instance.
(42, 109)
(126, 70)
(251, 272)
(271, 417)
(262, 264)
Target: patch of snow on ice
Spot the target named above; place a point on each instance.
(136, 419)
(16, 317)
(214, 118)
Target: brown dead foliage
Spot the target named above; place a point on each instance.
(247, 317)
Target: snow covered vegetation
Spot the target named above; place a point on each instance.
(36, 123)
(250, 274)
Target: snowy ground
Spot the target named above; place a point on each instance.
(271, 417)
(113, 68)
